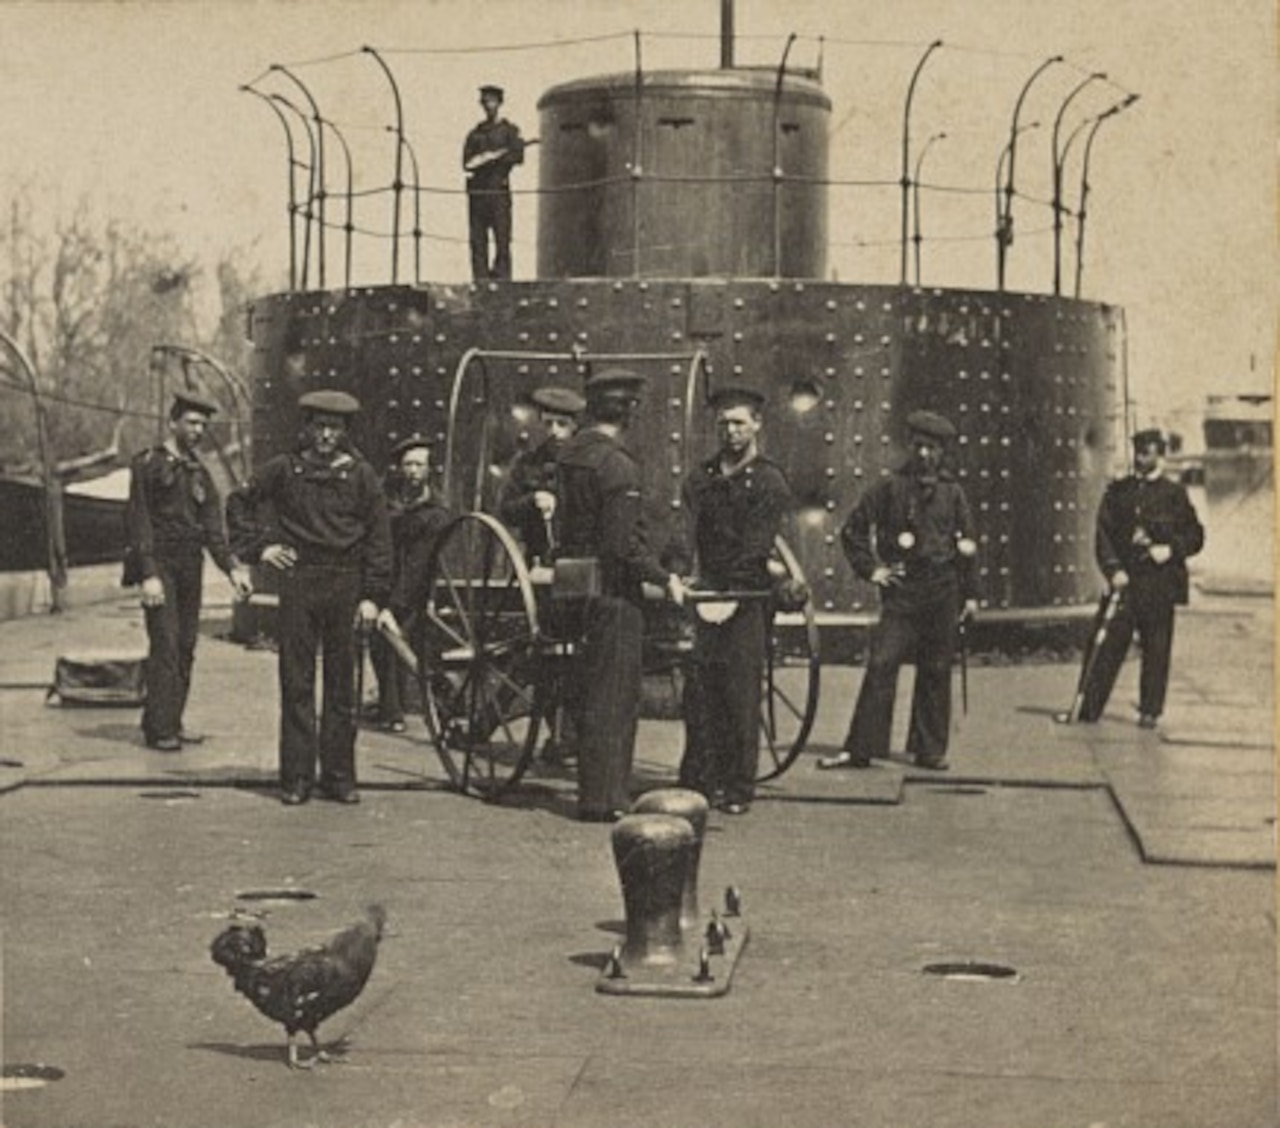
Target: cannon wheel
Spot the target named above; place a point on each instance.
(478, 657)
(789, 700)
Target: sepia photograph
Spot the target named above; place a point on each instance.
(587, 565)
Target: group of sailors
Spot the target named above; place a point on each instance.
(348, 550)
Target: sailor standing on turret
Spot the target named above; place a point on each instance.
(489, 153)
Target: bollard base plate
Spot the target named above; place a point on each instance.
(681, 981)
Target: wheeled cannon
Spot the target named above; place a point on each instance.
(497, 645)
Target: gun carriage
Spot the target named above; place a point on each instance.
(496, 644)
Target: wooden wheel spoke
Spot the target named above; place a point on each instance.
(484, 610)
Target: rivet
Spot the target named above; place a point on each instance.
(831, 304)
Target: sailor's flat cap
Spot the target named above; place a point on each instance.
(190, 401)
(736, 396)
(1151, 436)
(562, 401)
(329, 402)
(408, 443)
(615, 382)
(931, 424)
(495, 91)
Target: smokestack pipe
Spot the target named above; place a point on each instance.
(726, 34)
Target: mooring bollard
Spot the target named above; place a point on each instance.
(653, 853)
(685, 803)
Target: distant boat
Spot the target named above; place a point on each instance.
(1239, 492)
(93, 519)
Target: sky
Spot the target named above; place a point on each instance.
(137, 107)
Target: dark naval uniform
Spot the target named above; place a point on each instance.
(415, 525)
(601, 508)
(532, 471)
(900, 522)
(735, 518)
(172, 515)
(1158, 511)
(334, 516)
(489, 195)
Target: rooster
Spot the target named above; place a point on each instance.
(304, 988)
